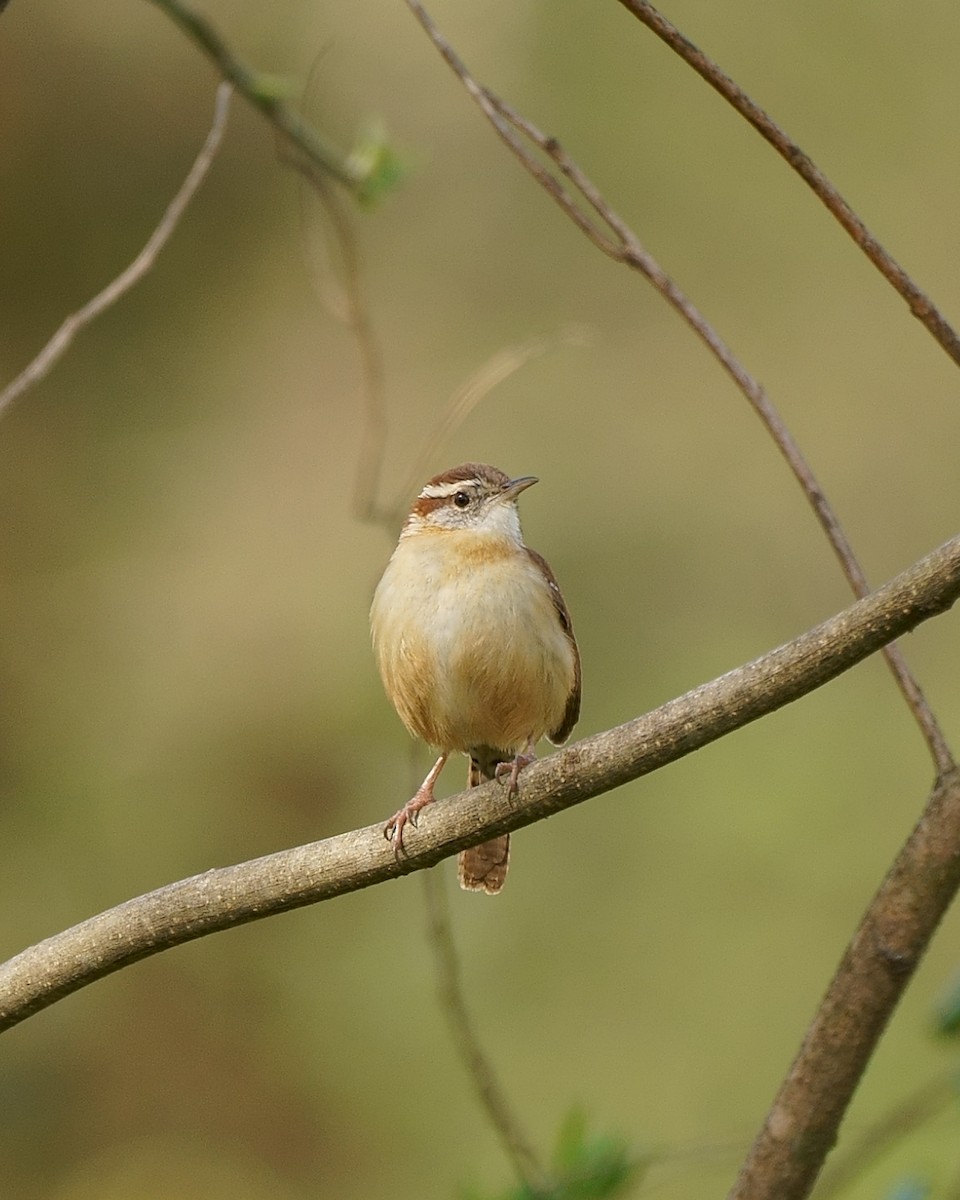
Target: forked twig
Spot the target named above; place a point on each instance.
(918, 301)
(591, 213)
(64, 336)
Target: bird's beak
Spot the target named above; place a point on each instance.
(513, 489)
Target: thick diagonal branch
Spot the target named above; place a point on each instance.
(228, 896)
(801, 1126)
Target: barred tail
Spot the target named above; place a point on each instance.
(484, 868)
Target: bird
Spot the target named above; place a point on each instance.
(474, 644)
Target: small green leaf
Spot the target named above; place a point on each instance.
(591, 1166)
(570, 1139)
(377, 166)
(584, 1167)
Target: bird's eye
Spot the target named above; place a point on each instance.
(461, 499)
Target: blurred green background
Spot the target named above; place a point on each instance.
(185, 675)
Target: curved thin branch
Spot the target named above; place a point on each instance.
(344, 253)
(473, 391)
(919, 303)
(63, 338)
(228, 896)
(611, 234)
(454, 1003)
(260, 91)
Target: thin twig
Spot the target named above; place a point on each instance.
(904, 1118)
(610, 233)
(373, 427)
(355, 315)
(496, 370)
(229, 896)
(64, 336)
(353, 311)
(918, 301)
(261, 92)
(453, 1000)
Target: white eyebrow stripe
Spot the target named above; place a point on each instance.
(442, 491)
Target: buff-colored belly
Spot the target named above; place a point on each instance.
(471, 651)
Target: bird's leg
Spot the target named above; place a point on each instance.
(393, 830)
(515, 766)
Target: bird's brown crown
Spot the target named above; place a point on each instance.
(463, 497)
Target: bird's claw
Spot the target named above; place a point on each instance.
(513, 769)
(408, 815)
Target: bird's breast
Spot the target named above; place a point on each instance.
(469, 642)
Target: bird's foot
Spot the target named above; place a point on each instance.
(409, 814)
(393, 830)
(513, 768)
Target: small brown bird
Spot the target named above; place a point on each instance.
(474, 644)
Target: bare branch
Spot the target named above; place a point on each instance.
(801, 1126)
(353, 311)
(610, 233)
(467, 1043)
(229, 896)
(260, 90)
(918, 301)
(64, 336)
